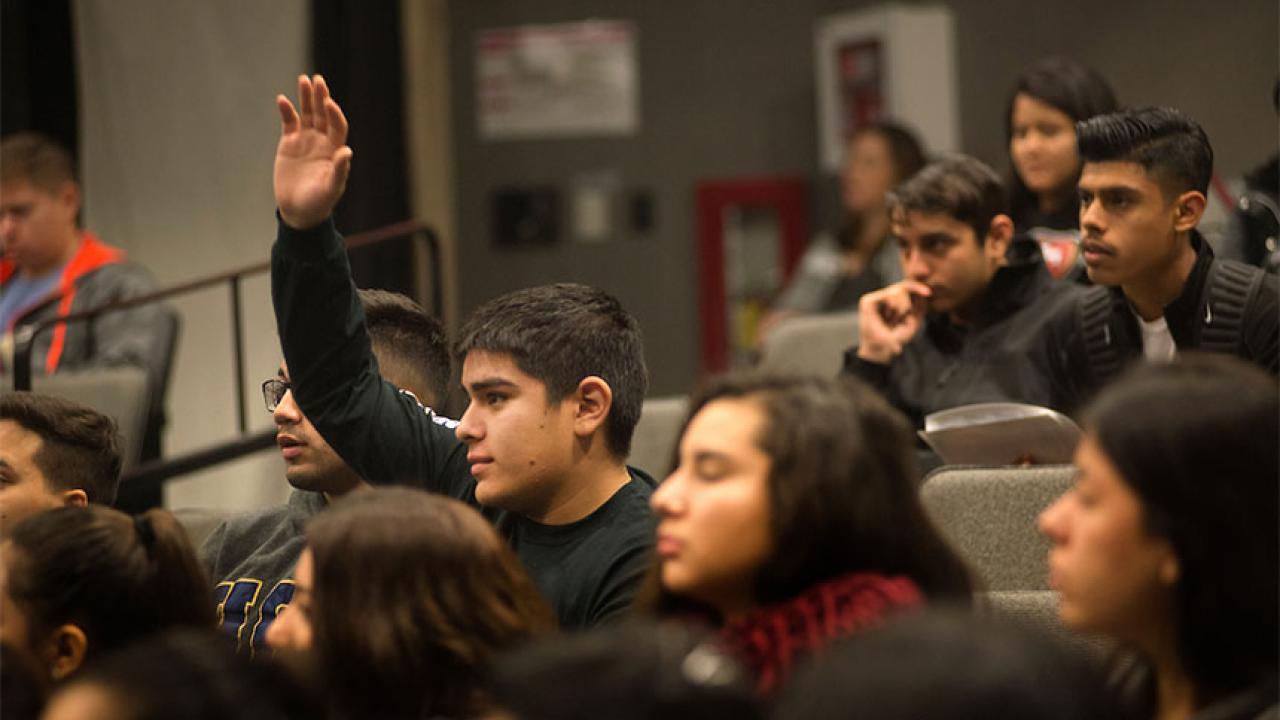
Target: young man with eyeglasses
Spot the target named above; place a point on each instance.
(251, 557)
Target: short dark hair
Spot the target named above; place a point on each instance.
(843, 491)
(1165, 142)
(79, 446)
(638, 670)
(1196, 442)
(411, 346)
(1068, 86)
(561, 334)
(949, 665)
(414, 595)
(118, 578)
(37, 159)
(957, 186)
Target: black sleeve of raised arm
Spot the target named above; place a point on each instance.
(382, 433)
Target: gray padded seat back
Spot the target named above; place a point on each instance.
(810, 344)
(120, 393)
(654, 442)
(1039, 609)
(199, 522)
(989, 516)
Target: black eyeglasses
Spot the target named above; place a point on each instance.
(273, 391)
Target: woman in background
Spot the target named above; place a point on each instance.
(76, 582)
(404, 598)
(792, 520)
(1048, 99)
(838, 268)
(1167, 542)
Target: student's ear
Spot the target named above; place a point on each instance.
(999, 235)
(69, 197)
(75, 498)
(1188, 208)
(593, 399)
(65, 651)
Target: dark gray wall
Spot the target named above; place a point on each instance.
(727, 89)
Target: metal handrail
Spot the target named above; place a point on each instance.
(157, 472)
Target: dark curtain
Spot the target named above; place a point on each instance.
(38, 70)
(356, 46)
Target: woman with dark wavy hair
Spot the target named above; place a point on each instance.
(404, 598)
(858, 256)
(78, 581)
(1167, 542)
(792, 519)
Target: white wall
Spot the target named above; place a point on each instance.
(178, 131)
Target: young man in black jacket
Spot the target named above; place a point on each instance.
(555, 375)
(956, 330)
(1142, 191)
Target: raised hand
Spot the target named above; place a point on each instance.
(312, 159)
(889, 318)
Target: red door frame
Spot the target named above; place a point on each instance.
(788, 196)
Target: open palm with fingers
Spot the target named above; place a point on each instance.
(312, 159)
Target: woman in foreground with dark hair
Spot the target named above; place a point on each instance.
(1167, 542)
(793, 519)
(76, 582)
(404, 598)
(1048, 99)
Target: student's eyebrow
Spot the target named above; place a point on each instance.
(491, 384)
(935, 237)
(701, 456)
(1099, 190)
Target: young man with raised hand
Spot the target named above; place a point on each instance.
(251, 557)
(1142, 192)
(555, 376)
(956, 330)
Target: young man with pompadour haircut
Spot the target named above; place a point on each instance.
(1160, 290)
(555, 376)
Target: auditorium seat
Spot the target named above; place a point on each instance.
(199, 522)
(120, 393)
(810, 344)
(989, 516)
(1039, 609)
(654, 443)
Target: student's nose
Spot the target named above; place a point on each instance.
(278, 630)
(8, 227)
(469, 428)
(1050, 521)
(287, 412)
(914, 266)
(668, 500)
(1092, 223)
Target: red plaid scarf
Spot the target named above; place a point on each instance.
(771, 639)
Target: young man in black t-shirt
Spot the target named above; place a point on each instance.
(555, 376)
